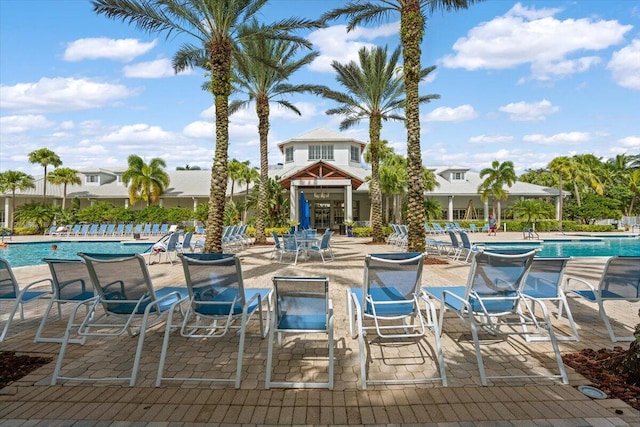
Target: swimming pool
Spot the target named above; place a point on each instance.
(21, 254)
(587, 247)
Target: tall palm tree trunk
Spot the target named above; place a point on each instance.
(560, 202)
(64, 195)
(221, 75)
(411, 33)
(44, 186)
(375, 124)
(262, 109)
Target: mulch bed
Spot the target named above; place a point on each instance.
(593, 365)
(14, 366)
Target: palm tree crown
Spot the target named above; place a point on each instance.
(44, 157)
(11, 181)
(64, 176)
(497, 176)
(145, 181)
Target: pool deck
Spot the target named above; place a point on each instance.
(31, 401)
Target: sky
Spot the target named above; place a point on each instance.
(522, 81)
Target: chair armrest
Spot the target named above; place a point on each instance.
(35, 283)
(454, 296)
(570, 279)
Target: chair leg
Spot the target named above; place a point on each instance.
(607, 324)
(16, 306)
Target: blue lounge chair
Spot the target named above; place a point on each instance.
(389, 298)
(10, 292)
(218, 300)
(127, 304)
(302, 306)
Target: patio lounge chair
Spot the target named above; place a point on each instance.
(302, 306)
(545, 282)
(620, 281)
(166, 246)
(493, 301)
(217, 298)
(10, 292)
(389, 297)
(129, 306)
(71, 284)
(323, 247)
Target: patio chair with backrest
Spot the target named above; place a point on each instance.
(467, 246)
(146, 230)
(545, 282)
(155, 229)
(93, 230)
(10, 292)
(389, 298)
(290, 247)
(127, 304)
(455, 249)
(186, 242)
(620, 281)
(323, 247)
(84, 230)
(217, 299)
(302, 306)
(164, 229)
(493, 302)
(128, 229)
(277, 245)
(71, 284)
(167, 247)
(101, 230)
(119, 231)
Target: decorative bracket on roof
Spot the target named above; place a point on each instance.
(321, 171)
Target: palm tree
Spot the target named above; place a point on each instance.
(562, 166)
(413, 19)
(235, 173)
(497, 176)
(64, 176)
(148, 181)
(261, 75)
(44, 157)
(393, 181)
(11, 181)
(374, 92)
(531, 210)
(248, 176)
(218, 27)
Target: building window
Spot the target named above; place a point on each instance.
(457, 176)
(321, 152)
(92, 179)
(288, 154)
(355, 153)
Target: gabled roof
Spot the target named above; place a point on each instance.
(321, 135)
(321, 170)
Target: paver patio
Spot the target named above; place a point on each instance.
(31, 401)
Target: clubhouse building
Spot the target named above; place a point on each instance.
(324, 165)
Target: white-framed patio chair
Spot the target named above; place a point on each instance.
(302, 306)
(493, 302)
(455, 249)
(71, 284)
(217, 301)
(290, 247)
(10, 293)
(166, 246)
(545, 282)
(186, 242)
(620, 281)
(128, 229)
(324, 247)
(277, 245)
(388, 306)
(467, 246)
(127, 304)
(119, 231)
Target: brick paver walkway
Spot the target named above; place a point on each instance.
(528, 402)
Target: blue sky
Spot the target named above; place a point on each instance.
(522, 81)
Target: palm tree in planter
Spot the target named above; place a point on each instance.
(64, 176)
(218, 28)
(11, 181)
(495, 178)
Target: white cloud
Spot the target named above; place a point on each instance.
(336, 44)
(124, 50)
(559, 138)
(528, 36)
(200, 129)
(66, 125)
(625, 66)
(138, 133)
(60, 95)
(491, 139)
(22, 124)
(152, 69)
(447, 114)
(630, 142)
(529, 111)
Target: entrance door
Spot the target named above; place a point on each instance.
(321, 215)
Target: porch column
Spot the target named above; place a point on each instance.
(195, 208)
(126, 203)
(450, 209)
(293, 203)
(558, 213)
(348, 203)
(7, 212)
(161, 202)
(486, 210)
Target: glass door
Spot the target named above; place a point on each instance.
(321, 215)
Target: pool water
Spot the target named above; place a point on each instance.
(606, 246)
(21, 254)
